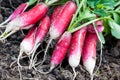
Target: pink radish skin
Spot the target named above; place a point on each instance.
(55, 13)
(60, 51)
(40, 35)
(33, 15)
(76, 48)
(19, 10)
(43, 29)
(28, 43)
(99, 27)
(89, 52)
(62, 20)
(24, 20)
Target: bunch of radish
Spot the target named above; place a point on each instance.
(73, 25)
(26, 20)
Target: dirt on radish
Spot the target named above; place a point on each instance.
(9, 51)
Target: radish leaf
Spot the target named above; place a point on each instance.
(102, 38)
(115, 29)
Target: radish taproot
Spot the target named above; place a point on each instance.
(25, 19)
(40, 35)
(60, 51)
(89, 52)
(27, 43)
(20, 9)
(59, 25)
(76, 48)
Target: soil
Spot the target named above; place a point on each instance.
(109, 69)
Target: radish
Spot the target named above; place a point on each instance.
(25, 19)
(89, 52)
(60, 50)
(55, 13)
(27, 44)
(59, 25)
(99, 27)
(20, 9)
(40, 34)
(76, 48)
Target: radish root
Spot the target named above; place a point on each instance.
(45, 53)
(51, 68)
(32, 63)
(19, 57)
(20, 73)
(3, 23)
(75, 74)
(16, 61)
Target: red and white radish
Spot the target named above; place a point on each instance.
(40, 35)
(76, 48)
(99, 27)
(55, 13)
(28, 43)
(59, 25)
(21, 8)
(60, 50)
(25, 19)
(89, 52)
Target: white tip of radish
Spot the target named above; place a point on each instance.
(74, 60)
(89, 65)
(26, 46)
(13, 25)
(53, 33)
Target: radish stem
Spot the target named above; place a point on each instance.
(85, 24)
(76, 13)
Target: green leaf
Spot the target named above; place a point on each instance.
(101, 12)
(102, 38)
(63, 1)
(92, 3)
(115, 29)
(31, 2)
(116, 18)
(87, 14)
(106, 27)
(109, 4)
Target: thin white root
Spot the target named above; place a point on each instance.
(92, 77)
(100, 61)
(22, 33)
(36, 57)
(100, 50)
(19, 57)
(45, 53)
(20, 73)
(75, 74)
(32, 63)
(16, 61)
(2, 26)
(6, 21)
(51, 68)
